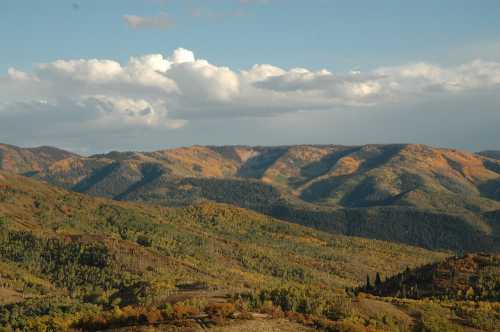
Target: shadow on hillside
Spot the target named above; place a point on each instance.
(96, 177)
(256, 167)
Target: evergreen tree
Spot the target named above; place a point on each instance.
(378, 281)
(368, 286)
(469, 295)
(404, 293)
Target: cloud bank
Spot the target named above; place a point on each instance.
(168, 92)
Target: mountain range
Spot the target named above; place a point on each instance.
(168, 241)
(415, 194)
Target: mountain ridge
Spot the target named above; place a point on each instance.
(396, 186)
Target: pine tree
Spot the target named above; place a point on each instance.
(368, 286)
(404, 293)
(469, 295)
(378, 281)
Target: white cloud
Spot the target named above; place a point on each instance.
(96, 71)
(165, 92)
(261, 72)
(153, 22)
(18, 75)
(199, 81)
(181, 55)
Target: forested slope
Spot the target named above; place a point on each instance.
(415, 194)
(70, 261)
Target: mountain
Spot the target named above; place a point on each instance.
(491, 154)
(473, 276)
(66, 258)
(415, 194)
(30, 160)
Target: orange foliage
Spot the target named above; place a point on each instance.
(220, 309)
(183, 311)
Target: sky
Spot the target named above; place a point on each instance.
(93, 76)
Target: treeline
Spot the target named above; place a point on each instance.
(471, 277)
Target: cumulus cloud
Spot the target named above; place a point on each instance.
(160, 92)
(18, 75)
(152, 22)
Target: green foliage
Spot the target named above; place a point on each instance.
(471, 277)
(119, 263)
(47, 314)
(302, 300)
(3, 221)
(75, 266)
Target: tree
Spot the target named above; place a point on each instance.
(378, 281)
(3, 221)
(368, 286)
(469, 295)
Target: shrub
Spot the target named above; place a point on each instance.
(152, 315)
(184, 311)
(272, 310)
(340, 307)
(224, 310)
(144, 240)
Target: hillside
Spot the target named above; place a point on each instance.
(30, 160)
(256, 247)
(473, 276)
(491, 154)
(72, 262)
(415, 194)
(80, 252)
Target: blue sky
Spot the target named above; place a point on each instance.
(338, 35)
(370, 72)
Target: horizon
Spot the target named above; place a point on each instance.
(145, 75)
(243, 146)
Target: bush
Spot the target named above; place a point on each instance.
(144, 240)
(272, 310)
(152, 315)
(184, 311)
(223, 310)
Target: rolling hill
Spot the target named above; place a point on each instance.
(491, 154)
(30, 160)
(415, 194)
(71, 262)
(64, 254)
(207, 235)
(473, 276)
